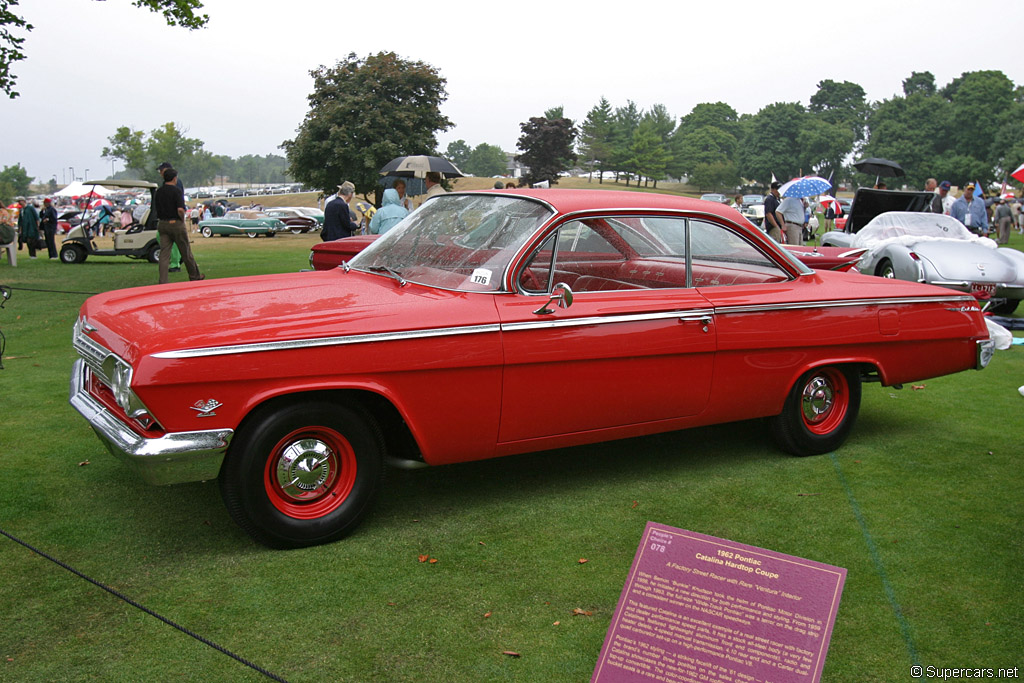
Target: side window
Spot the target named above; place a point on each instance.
(720, 257)
(535, 275)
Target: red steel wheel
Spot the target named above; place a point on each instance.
(819, 411)
(303, 473)
(310, 473)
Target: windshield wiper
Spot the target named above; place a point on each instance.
(390, 271)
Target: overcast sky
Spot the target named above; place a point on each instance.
(240, 85)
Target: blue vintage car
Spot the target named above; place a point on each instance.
(249, 223)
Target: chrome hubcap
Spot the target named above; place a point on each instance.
(303, 468)
(818, 398)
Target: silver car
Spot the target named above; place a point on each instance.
(938, 250)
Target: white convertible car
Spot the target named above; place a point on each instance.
(939, 250)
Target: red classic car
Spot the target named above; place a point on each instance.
(489, 324)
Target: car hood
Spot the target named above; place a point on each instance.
(271, 308)
(971, 262)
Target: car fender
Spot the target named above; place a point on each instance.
(1016, 258)
(904, 266)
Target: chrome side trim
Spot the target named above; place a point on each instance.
(761, 308)
(692, 314)
(327, 341)
(171, 459)
(538, 325)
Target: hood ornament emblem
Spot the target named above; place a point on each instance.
(206, 408)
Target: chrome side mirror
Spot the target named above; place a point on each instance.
(561, 295)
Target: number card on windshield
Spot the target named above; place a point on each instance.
(699, 609)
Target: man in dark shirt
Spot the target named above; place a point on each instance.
(337, 220)
(772, 221)
(169, 204)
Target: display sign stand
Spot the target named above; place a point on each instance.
(700, 609)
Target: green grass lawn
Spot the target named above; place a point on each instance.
(923, 507)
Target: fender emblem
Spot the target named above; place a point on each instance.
(205, 409)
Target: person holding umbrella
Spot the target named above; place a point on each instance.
(433, 183)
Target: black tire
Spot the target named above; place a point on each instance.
(1002, 306)
(885, 269)
(73, 253)
(819, 412)
(153, 255)
(271, 234)
(280, 442)
(206, 232)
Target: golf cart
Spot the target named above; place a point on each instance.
(138, 240)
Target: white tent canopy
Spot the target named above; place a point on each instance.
(80, 189)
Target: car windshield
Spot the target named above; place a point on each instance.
(460, 242)
(753, 199)
(909, 224)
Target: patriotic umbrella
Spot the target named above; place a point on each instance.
(808, 186)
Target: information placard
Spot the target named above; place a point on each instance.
(700, 609)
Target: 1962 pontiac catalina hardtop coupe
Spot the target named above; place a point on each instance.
(488, 324)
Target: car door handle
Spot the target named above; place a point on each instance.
(703, 320)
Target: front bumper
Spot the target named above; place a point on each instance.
(171, 459)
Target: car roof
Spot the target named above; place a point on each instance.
(572, 201)
(138, 184)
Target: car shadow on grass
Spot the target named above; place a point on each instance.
(191, 518)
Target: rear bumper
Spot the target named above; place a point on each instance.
(170, 459)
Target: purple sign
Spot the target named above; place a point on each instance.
(700, 609)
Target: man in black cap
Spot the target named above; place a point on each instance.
(772, 221)
(169, 204)
(175, 263)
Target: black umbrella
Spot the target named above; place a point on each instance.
(419, 165)
(879, 167)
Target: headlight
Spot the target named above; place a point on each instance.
(120, 376)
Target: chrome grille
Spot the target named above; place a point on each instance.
(92, 353)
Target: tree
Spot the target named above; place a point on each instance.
(177, 12)
(17, 177)
(547, 146)
(771, 145)
(363, 113)
(919, 82)
(708, 135)
(486, 160)
(458, 153)
(841, 104)
(141, 155)
(595, 143)
(14, 181)
(624, 124)
(915, 132)
(649, 154)
(130, 147)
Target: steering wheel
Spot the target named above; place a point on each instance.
(529, 280)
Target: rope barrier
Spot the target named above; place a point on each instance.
(145, 609)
